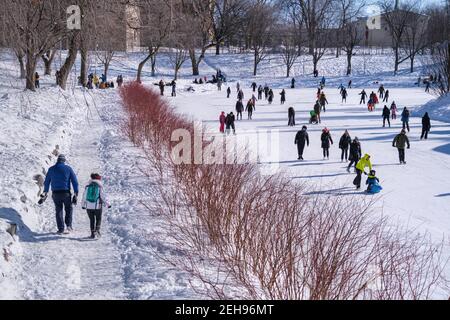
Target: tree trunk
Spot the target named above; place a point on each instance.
(63, 74)
(84, 65)
(176, 73)
(448, 68)
(255, 65)
(349, 63)
(217, 48)
(23, 72)
(396, 54)
(141, 67)
(195, 63)
(153, 61)
(48, 60)
(106, 69)
(30, 71)
(288, 71)
(412, 63)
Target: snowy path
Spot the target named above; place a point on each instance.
(73, 266)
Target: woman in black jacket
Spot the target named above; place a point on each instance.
(326, 140)
(344, 144)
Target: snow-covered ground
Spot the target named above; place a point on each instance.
(124, 264)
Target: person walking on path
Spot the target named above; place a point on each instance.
(301, 140)
(355, 153)
(174, 88)
(291, 115)
(222, 120)
(94, 200)
(426, 126)
(361, 169)
(318, 110)
(327, 141)
(381, 91)
(344, 144)
(400, 142)
(405, 118)
(293, 83)
(250, 108)
(323, 101)
(161, 87)
(230, 123)
(61, 177)
(228, 92)
(260, 92)
(344, 95)
(386, 116)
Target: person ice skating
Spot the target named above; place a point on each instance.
(381, 91)
(291, 115)
(254, 100)
(219, 84)
(355, 153)
(260, 92)
(37, 80)
(386, 96)
(405, 118)
(61, 177)
(250, 108)
(94, 200)
(371, 105)
(326, 141)
(240, 95)
(161, 87)
(222, 120)
(323, 101)
(400, 142)
(266, 92)
(363, 95)
(318, 110)
(239, 109)
(344, 144)
(344, 95)
(350, 84)
(323, 81)
(319, 91)
(373, 183)
(427, 86)
(360, 170)
(230, 123)
(302, 139)
(293, 83)
(238, 87)
(271, 96)
(393, 111)
(341, 88)
(283, 96)
(174, 88)
(386, 116)
(228, 92)
(313, 117)
(254, 86)
(426, 126)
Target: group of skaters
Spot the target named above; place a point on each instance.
(94, 81)
(374, 99)
(162, 85)
(62, 180)
(430, 80)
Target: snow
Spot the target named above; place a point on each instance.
(126, 263)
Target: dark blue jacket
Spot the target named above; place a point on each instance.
(60, 176)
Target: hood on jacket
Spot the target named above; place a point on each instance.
(98, 182)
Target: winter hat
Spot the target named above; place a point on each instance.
(62, 158)
(96, 176)
(305, 128)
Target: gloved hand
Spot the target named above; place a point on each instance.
(43, 197)
(75, 199)
(409, 147)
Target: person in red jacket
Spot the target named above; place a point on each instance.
(222, 120)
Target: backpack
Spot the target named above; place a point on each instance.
(93, 193)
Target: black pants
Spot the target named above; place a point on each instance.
(388, 120)
(344, 154)
(326, 152)
(95, 218)
(354, 161)
(239, 113)
(63, 202)
(363, 100)
(250, 114)
(401, 155)
(259, 95)
(406, 125)
(425, 133)
(357, 181)
(291, 121)
(229, 127)
(386, 99)
(300, 149)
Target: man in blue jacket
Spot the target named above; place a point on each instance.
(60, 177)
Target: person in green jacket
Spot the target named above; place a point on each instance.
(400, 142)
(360, 169)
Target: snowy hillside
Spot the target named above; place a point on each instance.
(129, 259)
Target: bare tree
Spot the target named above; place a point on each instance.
(178, 56)
(290, 51)
(415, 39)
(37, 27)
(48, 58)
(258, 28)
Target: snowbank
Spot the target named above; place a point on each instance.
(438, 109)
